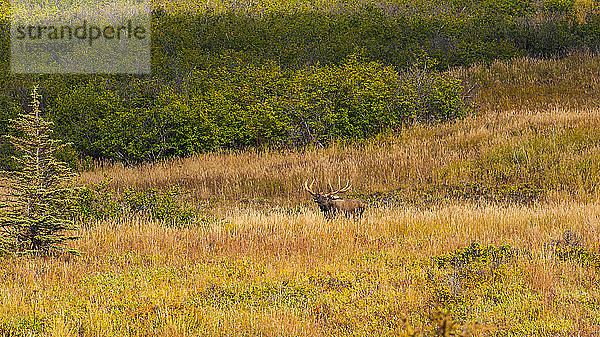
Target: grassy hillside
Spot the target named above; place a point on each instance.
(531, 83)
(483, 226)
(551, 154)
(486, 226)
(534, 129)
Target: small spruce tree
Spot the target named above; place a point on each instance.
(35, 201)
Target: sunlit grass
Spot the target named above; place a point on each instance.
(259, 259)
(299, 274)
(262, 260)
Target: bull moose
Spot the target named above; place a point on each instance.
(331, 204)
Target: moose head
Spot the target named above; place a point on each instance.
(331, 204)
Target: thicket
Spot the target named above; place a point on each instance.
(96, 202)
(456, 32)
(291, 75)
(235, 105)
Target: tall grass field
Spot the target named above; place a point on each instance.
(487, 226)
(485, 222)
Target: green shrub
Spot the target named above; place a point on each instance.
(460, 279)
(286, 77)
(162, 205)
(98, 202)
(95, 202)
(457, 32)
(476, 254)
(235, 105)
(570, 248)
(559, 5)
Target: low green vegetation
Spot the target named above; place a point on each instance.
(238, 106)
(167, 205)
(284, 75)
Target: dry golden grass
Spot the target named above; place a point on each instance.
(264, 267)
(557, 150)
(261, 260)
(571, 82)
(139, 277)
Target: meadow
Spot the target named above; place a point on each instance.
(470, 130)
(488, 225)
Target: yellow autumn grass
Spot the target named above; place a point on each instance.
(265, 262)
(269, 264)
(240, 277)
(556, 149)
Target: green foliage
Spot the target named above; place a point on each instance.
(456, 32)
(24, 327)
(458, 279)
(570, 248)
(262, 294)
(34, 211)
(236, 105)
(559, 5)
(98, 202)
(476, 254)
(165, 205)
(95, 202)
(8, 112)
(288, 75)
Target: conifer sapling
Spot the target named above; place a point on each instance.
(35, 201)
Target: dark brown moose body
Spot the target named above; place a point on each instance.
(331, 204)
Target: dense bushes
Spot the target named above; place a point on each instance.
(95, 202)
(283, 74)
(236, 105)
(456, 32)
